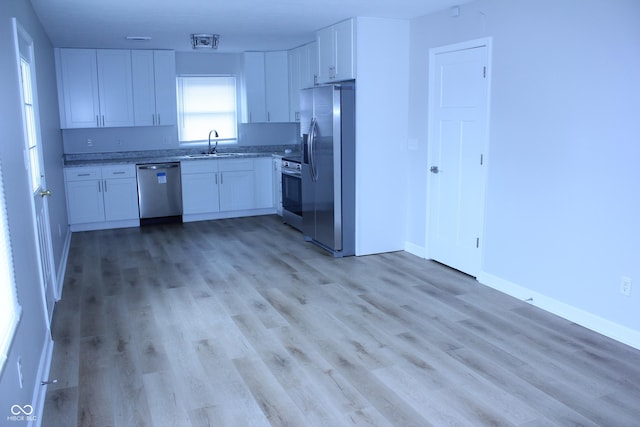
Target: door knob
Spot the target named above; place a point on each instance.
(434, 169)
(45, 193)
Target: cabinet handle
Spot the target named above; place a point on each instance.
(158, 119)
(103, 120)
(216, 178)
(84, 174)
(153, 119)
(105, 185)
(268, 116)
(97, 120)
(99, 187)
(221, 179)
(119, 173)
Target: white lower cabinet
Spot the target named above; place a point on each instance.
(227, 188)
(237, 191)
(263, 183)
(200, 193)
(102, 197)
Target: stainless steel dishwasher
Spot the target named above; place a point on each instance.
(159, 192)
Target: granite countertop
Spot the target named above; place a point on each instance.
(159, 156)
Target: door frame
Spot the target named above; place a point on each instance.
(465, 45)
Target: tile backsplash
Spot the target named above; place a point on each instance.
(113, 140)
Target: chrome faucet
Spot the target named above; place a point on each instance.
(216, 146)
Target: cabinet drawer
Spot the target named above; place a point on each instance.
(119, 171)
(82, 173)
(236, 165)
(199, 166)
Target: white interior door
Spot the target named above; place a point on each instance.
(458, 124)
(35, 167)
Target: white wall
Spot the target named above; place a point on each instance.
(32, 329)
(563, 205)
(382, 95)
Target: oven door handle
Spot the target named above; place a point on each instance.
(295, 174)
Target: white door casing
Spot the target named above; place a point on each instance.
(458, 145)
(34, 165)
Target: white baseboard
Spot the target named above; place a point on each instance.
(40, 391)
(416, 250)
(62, 268)
(584, 318)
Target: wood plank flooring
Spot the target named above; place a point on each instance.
(240, 323)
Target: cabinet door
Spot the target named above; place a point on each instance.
(255, 87)
(164, 62)
(144, 97)
(78, 86)
(263, 182)
(120, 199)
(326, 49)
(85, 202)
(200, 193)
(344, 54)
(277, 86)
(295, 59)
(309, 69)
(115, 87)
(236, 190)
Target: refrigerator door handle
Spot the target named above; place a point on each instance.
(312, 150)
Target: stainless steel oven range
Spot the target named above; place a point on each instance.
(292, 192)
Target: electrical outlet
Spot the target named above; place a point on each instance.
(625, 286)
(89, 143)
(20, 380)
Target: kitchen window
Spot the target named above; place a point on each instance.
(206, 103)
(9, 308)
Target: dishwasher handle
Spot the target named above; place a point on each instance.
(159, 166)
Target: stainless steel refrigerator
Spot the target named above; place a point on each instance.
(327, 125)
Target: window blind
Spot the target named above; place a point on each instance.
(9, 308)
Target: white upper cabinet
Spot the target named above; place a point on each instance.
(336, 52)
(266, 87)
(294, 83)
(154, 87)
(78, 88)
(276, 76)
(303, 72)
(256, 104)
(164, 69)
(116, 88)
(94, 88)
(309, 65)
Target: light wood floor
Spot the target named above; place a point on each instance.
(240, 323)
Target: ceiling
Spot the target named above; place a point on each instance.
(242, 24)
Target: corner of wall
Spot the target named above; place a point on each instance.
(416, 250)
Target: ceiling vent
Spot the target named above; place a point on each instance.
(204, 41)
